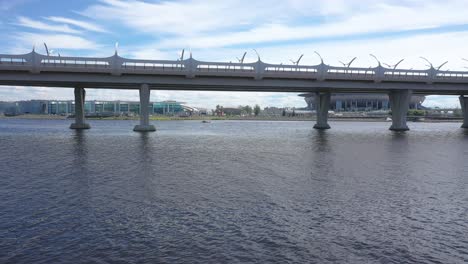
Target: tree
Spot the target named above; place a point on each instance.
(284, 112)
(256, 110)
(219, 110)
(294, 112)
(246, 109)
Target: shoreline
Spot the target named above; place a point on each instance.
(235, 118)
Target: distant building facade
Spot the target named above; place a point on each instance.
(361, 102)
(67, 107)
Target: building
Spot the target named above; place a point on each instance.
(361, 102)
(67, 107)
(8, 107)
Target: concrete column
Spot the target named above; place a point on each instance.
(322, 103)
(144, 125)
(464, 107)
(80, 123)
(399, 103)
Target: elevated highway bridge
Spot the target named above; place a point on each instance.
(115, 72)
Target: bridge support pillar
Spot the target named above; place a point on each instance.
(322, 105)
(80, 123)
(399, 103)
(144, 125)
(464, 107)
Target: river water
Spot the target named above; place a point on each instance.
(232, 192)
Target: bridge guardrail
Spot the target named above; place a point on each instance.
(116, 65)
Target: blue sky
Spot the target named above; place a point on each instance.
(216, 30)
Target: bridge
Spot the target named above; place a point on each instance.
(116, 72)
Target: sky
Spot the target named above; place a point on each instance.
(215, 30)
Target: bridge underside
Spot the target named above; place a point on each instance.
(105, 81)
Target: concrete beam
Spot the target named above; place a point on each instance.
(144, 125)
(80, 123)
(162, 82)
(322, 105)
(399, 103)
(464, 107)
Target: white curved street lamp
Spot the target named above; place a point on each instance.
(442, 65)
(373, 56)
(466, 61)
(241, 60)
(430, 64)
(258, 55)
(46, 49)
(347, 65)
(394, 66)
(298, 60)
(182, 55)
(320, 56)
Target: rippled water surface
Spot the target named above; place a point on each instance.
(232, 192)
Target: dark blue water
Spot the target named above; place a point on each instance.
(232, 192)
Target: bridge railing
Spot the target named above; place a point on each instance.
(451, 75)
(406, 74)
(116, 65)
(350, 73)
(54, 62)
(135, 65)
(14, 60)
(223, 67)
(271, 68)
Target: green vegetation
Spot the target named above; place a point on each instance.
(256, 110)
(415, 112)
(246, 110)
(457, 113)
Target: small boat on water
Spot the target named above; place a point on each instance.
(206, 121)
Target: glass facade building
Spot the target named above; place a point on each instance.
(55, 107)
(167, 108)
(361, 102)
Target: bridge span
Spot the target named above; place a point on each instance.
(115, 72)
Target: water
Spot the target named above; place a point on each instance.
(232, 192)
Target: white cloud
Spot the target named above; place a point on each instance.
(56, 41)
(27, 22)
(181, 17)
(442, 101)
(198, 23)
(81, 24)
(14, 93)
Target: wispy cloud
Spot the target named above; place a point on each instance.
(180, 18)
(13, 93)
(34, 24)
(223, 23)
(78, 23)
(57, 41)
